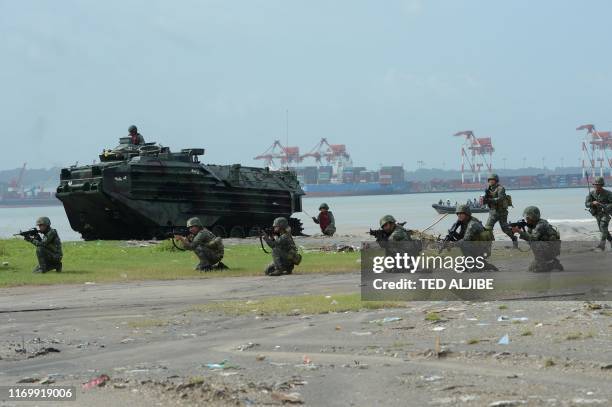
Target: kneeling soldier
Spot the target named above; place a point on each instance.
(48, 249)
(207, 246)
(543, 239)
(325, 220)
(473, 238)
(284, 251)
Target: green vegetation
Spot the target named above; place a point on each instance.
(473, 341)
(503, 307)
(111, 261)
(147, 323)
(549, 363)
(433, 316)
(527, 333)
(303, 304)
(574, 336)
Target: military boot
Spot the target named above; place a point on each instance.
(610, 240)
(59, 266)
(221, 266)
(601, 246)
(556, 265)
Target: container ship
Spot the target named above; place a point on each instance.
(14, 195)
(352, 181)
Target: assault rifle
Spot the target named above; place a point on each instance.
(521, 224)
(177, 231)
(381, 235)
(452, 236)
(30, 234)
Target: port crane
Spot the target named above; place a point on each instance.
(286, 155)
(600, 142)
(478, 152)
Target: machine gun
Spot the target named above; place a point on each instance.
(30, 234)
(521, 224)
(381, 235)
(177, 231)
(452, 236)
(265, 232)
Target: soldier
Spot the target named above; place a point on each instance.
(48, 249)
(284, 252)
(543, 239)
(394, 232)
(498, 202)
(325, 220)
(473, 238)
(599, 203)
(207, 246)
(136, 138)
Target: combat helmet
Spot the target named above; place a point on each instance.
(532, 212)
(599, 181)
(324, 206)
(386, 219)
(280, 222)
(493, 176)
(194, 222)
(463, 209)
(43, 220)
(132, 128)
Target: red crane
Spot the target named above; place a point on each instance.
(479, 149)
(600, 142)
(286, 155)
(333, 153)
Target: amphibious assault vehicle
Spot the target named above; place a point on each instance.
(146, 191)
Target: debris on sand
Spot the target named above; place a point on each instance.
(44, 351)
(504, 340)
(506, 403)
(246, 346)
(96, 382)
(385, 320)
(28, 380)
(287, 397)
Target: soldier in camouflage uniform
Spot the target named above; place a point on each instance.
(284, 251)
(136, 138)
(48, 249)
(497, 200)
(543, 239)
(325, 220)
(599, 203)
(396, 239)
(207, 246)
(474, 239)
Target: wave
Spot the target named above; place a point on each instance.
(583, 220)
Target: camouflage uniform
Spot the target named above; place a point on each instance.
(470, 239)
(601, 213)
(137, 139)
(544, 241)
(497, 200)
(331, 228)
(399, 240)
(48, 249)
(284, 251)
(208, 247)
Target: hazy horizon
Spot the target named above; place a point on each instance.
(393, 81)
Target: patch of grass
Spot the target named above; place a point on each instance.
(549, 363)
(527, 333)
(502, 307)
(473, 341)
(307, 304)
(432, 316)
(147, 323)
(111, 261)
(573, 336)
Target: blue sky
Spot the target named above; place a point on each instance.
(393, 80)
